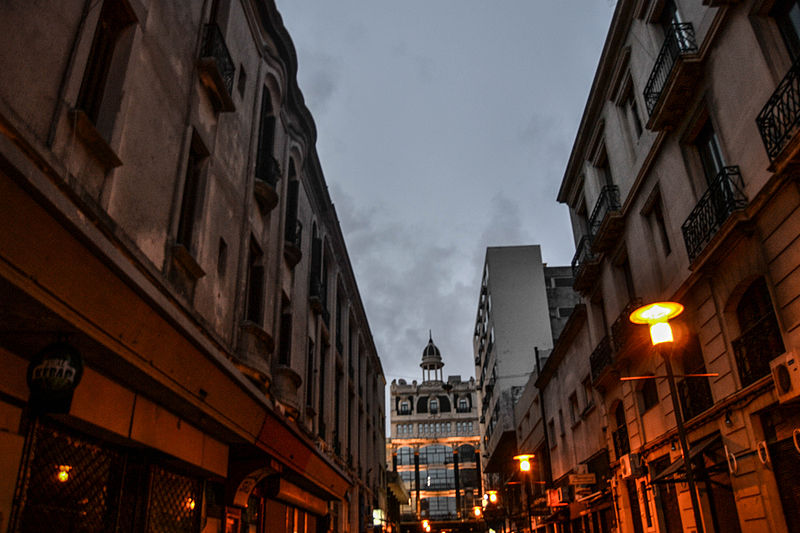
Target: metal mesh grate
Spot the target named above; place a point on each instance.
(174, 504)
(69, 484)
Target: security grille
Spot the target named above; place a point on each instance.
(69, 484)
(75, 484)
(174, 505)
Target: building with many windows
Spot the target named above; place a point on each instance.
(434, 446)
(184, 345)
(522, 305)
(682, 186)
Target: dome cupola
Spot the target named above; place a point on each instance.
(431, 361)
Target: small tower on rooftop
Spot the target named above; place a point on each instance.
(431, 362)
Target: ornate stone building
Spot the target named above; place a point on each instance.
(174, 281)
(434, 446)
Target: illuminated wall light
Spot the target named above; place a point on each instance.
(190, 503)
(63, 473)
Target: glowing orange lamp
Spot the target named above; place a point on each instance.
(524, 461)
(657, 316)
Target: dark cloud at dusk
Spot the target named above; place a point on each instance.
(443, 127)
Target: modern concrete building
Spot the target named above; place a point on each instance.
(521, 302)
(682, 186)
(435, 447)
(174, 282)
(523, 307)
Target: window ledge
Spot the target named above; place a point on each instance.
(587, 410)
(182, 256)
(86, 131)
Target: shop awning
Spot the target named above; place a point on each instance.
(677, 466)
(397, 487)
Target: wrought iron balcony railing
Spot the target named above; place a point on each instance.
(583, 254)
(623, 328)
(778, 121)
(724, 196)
(214, 46)
(216, 68)
(756, 347)
(679, 41)
(601, 358)
(695, 395)
(607, 201)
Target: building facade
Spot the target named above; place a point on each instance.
(435, 447)
(523, 307)
(682, 186)
(184, 343)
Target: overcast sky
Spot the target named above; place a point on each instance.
(444, 127)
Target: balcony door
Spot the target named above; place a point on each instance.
(708, 148)
(787, 16)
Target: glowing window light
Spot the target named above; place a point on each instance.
(63, 473)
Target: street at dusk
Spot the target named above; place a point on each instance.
(301, 266)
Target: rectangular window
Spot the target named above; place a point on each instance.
(710, 152)
(191, 192)
(632, 111)
(787, 16)
(115, 18)
(255, 284)
(285, 347)
(551, 427)
(654, 210)
(310, 374)
(574, 410)
(588, 397)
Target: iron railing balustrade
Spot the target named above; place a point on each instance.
(778, 121)
(725, 195)
(214, 46)
(679, 41)
(607, 201)
(601, 358)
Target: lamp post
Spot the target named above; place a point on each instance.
(657, 316)
(525, 468)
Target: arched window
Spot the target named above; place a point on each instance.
(463, 405)
(435, 454)
(434, 405)
(422, 405)
(444, 404)
(760, 338)
(466, 453)
(620, 435)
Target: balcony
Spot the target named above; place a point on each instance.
(724, 196)
(292, 244)
(756, 347)
(674, 76)
(585, 265)
(216, 69)
(779, 120)
(601, 359)
(622, 330)
(606, 222)
(265, 188)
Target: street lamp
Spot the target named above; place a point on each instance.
(525, 468)
(657, 316)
